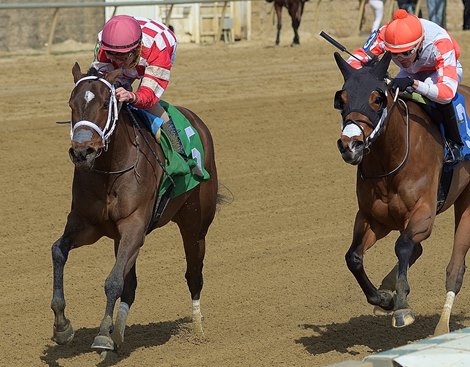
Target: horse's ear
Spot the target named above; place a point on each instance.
(344, 67)
(113, 75)
(76, 72)
(381, 67)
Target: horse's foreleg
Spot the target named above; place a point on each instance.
(128, 248)
(127, 299)
(418, 229)
(456, 268)
(389, 281)
(364, 238)
(63, 330)
(402, 315)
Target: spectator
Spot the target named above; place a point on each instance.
(408, 5)
(466, 14)
(437, 11)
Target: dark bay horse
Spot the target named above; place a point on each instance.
(399, 153)
(295, 9)
(118, 170)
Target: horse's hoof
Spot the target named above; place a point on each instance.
(402, 318)
(103, 342)
(65, 336)
(379, 311)
(441, 328)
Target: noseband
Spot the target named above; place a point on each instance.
(112, 114)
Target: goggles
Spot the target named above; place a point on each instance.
(119, 55)
(407, 54)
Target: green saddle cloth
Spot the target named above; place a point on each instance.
(186, 174)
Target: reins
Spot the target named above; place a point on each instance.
(407, 152)
(160, 163)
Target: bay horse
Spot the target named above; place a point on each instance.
(399, 152)
(295, 9)
(118, 171)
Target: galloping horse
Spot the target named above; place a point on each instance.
(399, 153)
(114, 193)
(295, 9)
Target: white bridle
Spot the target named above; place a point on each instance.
(112, 114)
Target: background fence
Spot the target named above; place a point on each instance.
(25, 27)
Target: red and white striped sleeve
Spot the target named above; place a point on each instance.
(446, 66)
(372, 47)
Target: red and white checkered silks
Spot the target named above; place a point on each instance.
(156, 59)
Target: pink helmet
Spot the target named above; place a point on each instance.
(121, 33)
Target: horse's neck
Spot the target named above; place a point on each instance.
(121, 150)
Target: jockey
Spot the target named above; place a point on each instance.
(428, 60)
(145, 49)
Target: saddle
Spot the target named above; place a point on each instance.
(181, 173)
(454, 125)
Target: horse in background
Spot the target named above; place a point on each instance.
(295, 9)
(119, 168)
(399, 152)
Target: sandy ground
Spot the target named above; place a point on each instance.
(277, 291)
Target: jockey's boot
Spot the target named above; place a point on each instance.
(454, 141)
(170, 130)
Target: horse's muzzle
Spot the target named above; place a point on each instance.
(351, 152)
(83, 158)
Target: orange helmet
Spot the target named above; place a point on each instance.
(403, 33)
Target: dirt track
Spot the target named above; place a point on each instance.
(277, 291)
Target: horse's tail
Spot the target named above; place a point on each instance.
(224, 195)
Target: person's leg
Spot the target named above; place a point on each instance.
(436, 9)
(378, 7)
(466, 14)
(168, 127)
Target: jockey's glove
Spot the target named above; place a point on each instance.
(401, 83)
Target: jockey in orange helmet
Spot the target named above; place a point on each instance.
(425, 53)
(145, 49)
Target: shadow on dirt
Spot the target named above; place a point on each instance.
(374, 332)
(136, 336)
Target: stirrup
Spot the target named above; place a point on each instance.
(454, 153)
(170, 130)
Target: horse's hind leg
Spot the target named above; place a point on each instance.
(193, 220)
(278, 9)
(296, 16)
(456, 267)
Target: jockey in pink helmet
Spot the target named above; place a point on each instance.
(145, 49)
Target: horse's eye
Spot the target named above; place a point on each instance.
(106, 105)
(379, 100)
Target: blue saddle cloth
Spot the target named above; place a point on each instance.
(458, 102)
(463, 122)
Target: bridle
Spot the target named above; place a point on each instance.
(379, 128)
(108, 130)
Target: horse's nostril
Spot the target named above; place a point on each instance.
(89, 151)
